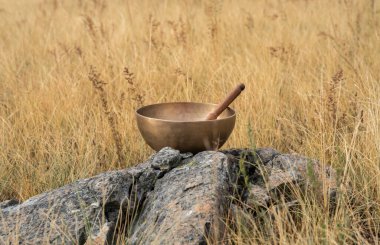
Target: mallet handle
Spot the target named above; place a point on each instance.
(227, 101)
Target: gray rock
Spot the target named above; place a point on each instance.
(260, 155)
(279, 178)
(266, 154)
(67, 215)
(303, 169)
(285, 171)
(166, 159)
(252, 158)
(293, 163)
(258, 196)
(8, 203)
(186, 155)
(84, 210)
(102, 236)
(187, 203)
(172, 198)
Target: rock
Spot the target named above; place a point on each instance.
(285, 171)
(172, 198)
(279, 178)
(264, 155)
(252, 158)
(303, 169)
(66, 215)
(166, 159)
(102, 236)
(186, 155)
(87, 208)
(258, 196)
(8, 203)
(186, 204)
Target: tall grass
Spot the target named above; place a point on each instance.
(311, 68)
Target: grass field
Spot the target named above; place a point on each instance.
(312, 75)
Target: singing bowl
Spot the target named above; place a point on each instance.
(182, 126)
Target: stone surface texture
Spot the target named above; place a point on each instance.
(187, 202)
(172, 198)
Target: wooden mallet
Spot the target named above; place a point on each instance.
(227, 101)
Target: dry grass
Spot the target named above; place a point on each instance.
(312, 71)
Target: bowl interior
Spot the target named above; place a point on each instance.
(182, 111)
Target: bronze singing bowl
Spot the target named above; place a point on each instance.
(182, 126)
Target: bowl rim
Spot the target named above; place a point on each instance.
(137, 112)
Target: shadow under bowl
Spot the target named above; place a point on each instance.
(182, 126)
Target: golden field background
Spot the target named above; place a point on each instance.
(312, 75)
